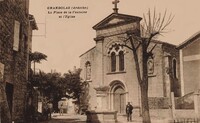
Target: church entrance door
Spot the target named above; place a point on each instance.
(119, 100)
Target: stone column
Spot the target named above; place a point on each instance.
(102, 95)
(99, 59)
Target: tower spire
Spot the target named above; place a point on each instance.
(115, 2)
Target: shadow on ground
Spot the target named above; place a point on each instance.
(66, 119)
(63, 121)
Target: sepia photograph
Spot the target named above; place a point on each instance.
(103, 61)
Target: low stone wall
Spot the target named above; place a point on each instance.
(160, 113)
(101, 116)
(185, 102)
(185, 113)
(186, 120)
(136, 112)
(158, 102)
(157, 116)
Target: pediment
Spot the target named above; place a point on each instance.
(116, 19)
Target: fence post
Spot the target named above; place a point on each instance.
(196, 103)
(173, 105)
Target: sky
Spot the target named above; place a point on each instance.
(64, 39)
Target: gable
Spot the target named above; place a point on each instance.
(192, 48)
(190, 40)
(116, 19)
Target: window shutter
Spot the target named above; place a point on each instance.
(16, 36)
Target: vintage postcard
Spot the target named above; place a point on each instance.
(86, 61)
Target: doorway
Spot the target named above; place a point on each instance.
(9, 95)
(118, 97)
(119, 100)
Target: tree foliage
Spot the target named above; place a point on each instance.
(37, 57)
(77, 89)
(55, 86)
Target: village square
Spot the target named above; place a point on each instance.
(127, 75)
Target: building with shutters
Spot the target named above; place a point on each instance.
(16, 26)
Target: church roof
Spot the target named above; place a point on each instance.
(87, 51)
(189, 40)
(162, 42)
(116, 19)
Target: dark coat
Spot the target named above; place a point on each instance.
(129, 109)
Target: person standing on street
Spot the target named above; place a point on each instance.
(50, 108)
(129, 109)
(31, 113)
(61, 109)
(45, 110)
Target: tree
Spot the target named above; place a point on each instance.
(36, 57)
(50, 86)
(73, 83)
(84, 97)
(152, 27)
(54, 86)
(75, 87)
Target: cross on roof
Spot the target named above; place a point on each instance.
(115, 7)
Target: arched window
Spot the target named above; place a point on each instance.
(174, 68)
(88, 70)
(113, 62)
(116, 53)
(121, 61)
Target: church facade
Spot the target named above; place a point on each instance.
(110, 69)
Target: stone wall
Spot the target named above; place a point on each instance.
(185, 102)
(185, 113)
(89, 56)
(156, 84)
(15, 62)
(190, 63)
(160, 113)
(174, 75)
(158, 103)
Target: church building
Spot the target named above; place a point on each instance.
(110, 69)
